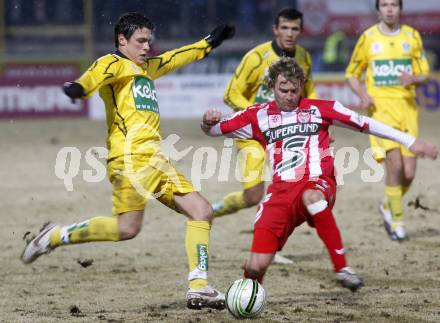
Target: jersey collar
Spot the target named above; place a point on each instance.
(119, 53)
(392, 34)
(273, 105)
(281, 52)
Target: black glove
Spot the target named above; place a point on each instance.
(73, 90)
(219, 34)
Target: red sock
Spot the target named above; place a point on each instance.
(328, 231)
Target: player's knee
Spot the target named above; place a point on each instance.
(311, 197)
(127, 232)
(252, 200)
(201, 212)
(408, 176)
(130, 224)
(253, 195)
(395, 165)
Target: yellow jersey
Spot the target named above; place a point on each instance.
(247, 85)
(385, 57)
(130, 99)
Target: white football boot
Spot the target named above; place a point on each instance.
(396, 230)
(39, 245)
(387, 216)
(348, 278)
(205, 297)
(281, 260)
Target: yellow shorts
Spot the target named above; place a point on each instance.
(251, 157)
(140, 178)
(401, 114)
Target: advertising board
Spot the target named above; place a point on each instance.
(34, 90)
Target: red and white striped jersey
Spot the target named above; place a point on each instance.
(297, 142)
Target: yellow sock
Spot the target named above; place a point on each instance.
(197, 251)
(100, 228)
(394, 196)
(404, 190)
(232, 203)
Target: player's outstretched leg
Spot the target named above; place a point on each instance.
(328, 232)
(51, 236)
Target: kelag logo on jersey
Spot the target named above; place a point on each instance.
(144, 94)
(305, 129)
(386, 72)
(264, 94)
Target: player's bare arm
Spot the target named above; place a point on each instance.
(424, 149)
(361, 92)
(407, 79)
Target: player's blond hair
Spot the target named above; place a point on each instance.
(287, 67)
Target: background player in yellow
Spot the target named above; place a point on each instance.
(136, 167)
(246, 88)
(393, 57)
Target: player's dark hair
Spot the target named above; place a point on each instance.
(287, 67)
(129, 22)
(377, 4)
(289, 14)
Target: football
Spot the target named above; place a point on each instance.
(245, 298)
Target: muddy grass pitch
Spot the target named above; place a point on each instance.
(144, 280)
